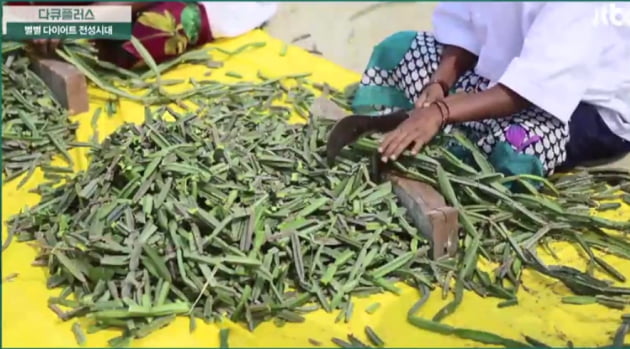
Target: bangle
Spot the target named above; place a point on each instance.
(445, 112)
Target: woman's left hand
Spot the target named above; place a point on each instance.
(420, 128)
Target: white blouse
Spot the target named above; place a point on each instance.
(554, 54)
(233, 18)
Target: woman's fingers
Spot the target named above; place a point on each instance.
(402, 143)
(387, 142)
(389, 136)
(428, 101)
(417, 145)
(52, 45)
(40, 46)
(430, 94)
(422, 99)
(395, 143)
(46, 47)
(431, 97)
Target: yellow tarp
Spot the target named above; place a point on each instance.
(27, 322)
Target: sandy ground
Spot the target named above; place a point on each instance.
(345, 32)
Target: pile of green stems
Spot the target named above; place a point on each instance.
(229, 211)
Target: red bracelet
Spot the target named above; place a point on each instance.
(445, 112)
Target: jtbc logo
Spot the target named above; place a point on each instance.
(611, 14)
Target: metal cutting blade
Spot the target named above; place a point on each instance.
(349, 129)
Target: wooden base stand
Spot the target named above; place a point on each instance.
(67, 83)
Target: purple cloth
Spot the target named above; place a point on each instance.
(591, 139)
(516, 135)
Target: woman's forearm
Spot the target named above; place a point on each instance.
(455, 61)
(496, 102)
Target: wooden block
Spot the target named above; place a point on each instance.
(429, 212)
(67, 83)
(445, 223)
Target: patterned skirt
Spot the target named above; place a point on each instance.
(531, 141)
(165, 29)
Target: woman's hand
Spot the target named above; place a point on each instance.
(424, 123)
(420, 128)
(431, 93)
(45, 47)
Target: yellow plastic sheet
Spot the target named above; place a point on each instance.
(27, 322)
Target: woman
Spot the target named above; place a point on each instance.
(539, 86)
(168, 29)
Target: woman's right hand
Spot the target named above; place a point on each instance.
(431, 93)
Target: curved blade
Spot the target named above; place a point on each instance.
(347, 130)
